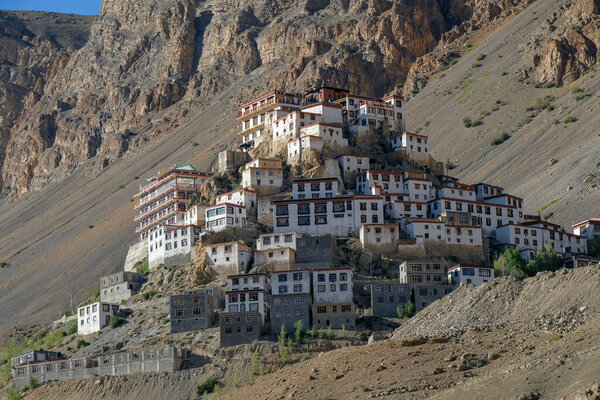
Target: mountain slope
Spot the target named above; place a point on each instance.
(545, 159)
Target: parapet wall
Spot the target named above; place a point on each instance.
(136, 254)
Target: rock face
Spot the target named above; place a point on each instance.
(31, 45)
(566, 45)
(147, 64)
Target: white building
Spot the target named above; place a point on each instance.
(226, 215)
(288, 126)
(94, 317)
(418, 187)
(470, 274)
(351, 165)
(337, 216)
(172, 245)
(264, 175)
(486, 190)
(411, 143)
(489, 215)
(248, 293)
(331, 113)
(242, 197)
(299, 148)
(536, 234)
(589, 228)
(455, 190)
(271, 241)
(396, 210)
(196, 215)
(427, 229)
(228, 258)
(315, 188)
(332, 285)
(257, 116)
(333, 138)
(379, 237)
(388, 181)
(375, 113)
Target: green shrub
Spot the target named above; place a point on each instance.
(54, 339)
(481, 57)
(207, 387)
(4, 264)
(115, 321)
(254, 365)
(33, 382)
(504, 73)
(364, 335)
(14, 394)
(550, 107)
(149, 294)
(284, 356)
(541, 103)
(409, 309)
(282, 335)
(467, 122)
(72, 330)
(449, 165)
(81, 343)
(299, 332)
(476, 65)
(400, 311)
(500, 138)
(577, 90)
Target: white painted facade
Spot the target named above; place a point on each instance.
(396, 210)
(315, 188)
(379, 236)
(332, 285)
(270, 241)
(388, 181)
(589, 228)
(196, 215)
(229, 257)
(248, 292)
(470, 274)
(418, 187)
(226, 215)
(288, 127)
(93, 317)
(291, 282)
(264, 175)
(297, 148)
(486, 190)
(411, 143)
(337, 216)
(243, 197)
(536, 235)
(331, 134)
(352, 164)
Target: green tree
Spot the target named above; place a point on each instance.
(400, 311)
(299, 332)
(545, 259)
(282, 335)
(254, 365)
(409, 309)
(511, 263)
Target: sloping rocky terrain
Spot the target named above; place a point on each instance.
(507, 339)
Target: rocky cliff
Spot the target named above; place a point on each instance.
(32, 47)
(147, 64)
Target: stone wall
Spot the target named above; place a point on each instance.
(239, 328)
(61, 370)
(229, 159)
(136, 254)
(155, 360)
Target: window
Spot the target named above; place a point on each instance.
(283, 289)
(320, 219)
(282, 210)
(332, 278)
(105, 307)
(485, 272)
(303, 220)
(303, 208)
(321, 278)
(178, 313)
(343, 287)
(321, 208)
(332, 287)
(346, 308)
(321, 310)
(297, 276)
(284, 221)
(422, 292)
(343, 276)
(468, 271)
(282, 278)
(288, 238)
(321, 288)
(297, 288)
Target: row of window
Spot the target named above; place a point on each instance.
(334, 309)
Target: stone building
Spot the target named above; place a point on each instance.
(120, 286)
(387, 296)
(423, 271)
(290, 299)
(425, 294)
(333, 304)
(315, 251)
(192, 311)
(34, 357)
(239, 327)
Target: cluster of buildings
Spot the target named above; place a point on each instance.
(443, 231)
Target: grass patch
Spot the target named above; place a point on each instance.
(481, 57)
(469, 123)
(500, 138)
(470, 47)
(364, 335)
(581, 96)
(577, 90)
(4, 264)
(570, 119)
(208, 386)
(504, 73)
(541, 103)
(476, 65)
(546, 206)
(115, 321)
(555, 338)
(149, 294)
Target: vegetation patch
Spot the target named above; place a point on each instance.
(207, 387)
(500, 138)
(541, 103)
(546, 206)
(570, 119)
(481, 57)
(476, 65)
(469, 123)
(470, 47)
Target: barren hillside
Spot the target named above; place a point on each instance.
(542, 345)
